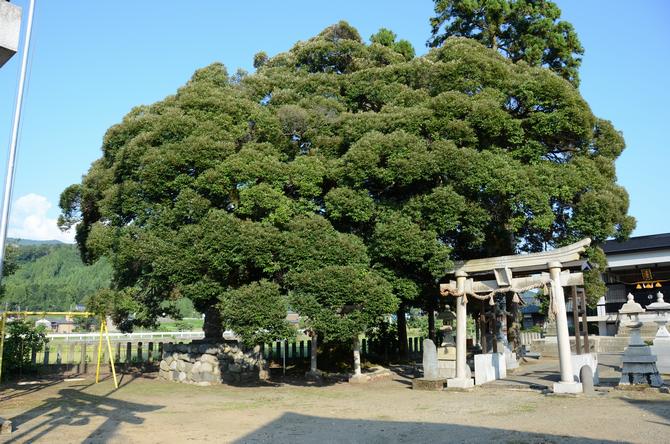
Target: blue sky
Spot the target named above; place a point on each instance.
(93, 61)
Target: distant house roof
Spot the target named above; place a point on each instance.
(638, 243)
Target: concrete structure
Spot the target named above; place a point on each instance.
(489, 367)
(10, 28)
(531, 268)
(589, 360)
(639, 266)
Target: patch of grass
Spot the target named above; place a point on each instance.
(525, 408)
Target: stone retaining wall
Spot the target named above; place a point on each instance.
(548, 346)
(208, 363)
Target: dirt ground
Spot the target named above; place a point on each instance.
(146, 410)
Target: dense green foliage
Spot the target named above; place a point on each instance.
(528, 30)
(52, 277)
(22, 338)
(342, 173)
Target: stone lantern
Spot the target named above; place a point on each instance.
(638, 363)
(10, 25)
(661, 347)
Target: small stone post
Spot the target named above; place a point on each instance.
(313, 372)
(357, 356)
(461, 381)
(358, 377)
(567, 383)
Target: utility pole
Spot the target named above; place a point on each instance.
(11, 161)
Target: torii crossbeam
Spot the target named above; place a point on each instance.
(503, 268)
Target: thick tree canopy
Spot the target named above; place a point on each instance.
(343, 163)
(528, 30)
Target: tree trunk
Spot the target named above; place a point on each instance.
(212, 325)
(312, 360)
(357, 356)
(402, 333)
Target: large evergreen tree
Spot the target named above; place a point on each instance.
(528, 30)
(391, 163)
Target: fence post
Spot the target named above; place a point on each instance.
(416, 345)
(129, 353)
(46, 356)
(309, 347)
(117, 357)
(302, 349)
(294, 350)
(150, 352)
(83, 366)
(139, 353)
(70, 354)
(160, 350)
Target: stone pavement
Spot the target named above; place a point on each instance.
(540, 374)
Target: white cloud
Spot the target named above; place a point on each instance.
(29, 220)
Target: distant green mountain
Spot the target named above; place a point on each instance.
(22, 242)
(51, 276)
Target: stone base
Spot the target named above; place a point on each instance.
(314, 376)
(460, 384)
(590, 360)
(428, 384)
(5, 427)
(568, 387)
(204, 363)
(359, 379)
(446, 369)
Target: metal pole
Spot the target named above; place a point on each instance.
(11, 161)
(3, 318)
(109, 349)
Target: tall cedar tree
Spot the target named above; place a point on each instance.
(528, 30)
(404, 162)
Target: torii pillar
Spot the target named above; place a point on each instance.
(567, 383)
(461, 381)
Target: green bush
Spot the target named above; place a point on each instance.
(22, 337)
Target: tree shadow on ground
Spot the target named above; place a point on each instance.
(297, 428)
(74, 407)
(18, 389)
(660, 408)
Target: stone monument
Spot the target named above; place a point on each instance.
(661, 347)
(638, 363)
(431, 379)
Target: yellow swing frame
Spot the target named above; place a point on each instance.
(103, 332)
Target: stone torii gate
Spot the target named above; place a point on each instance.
(503, 268)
